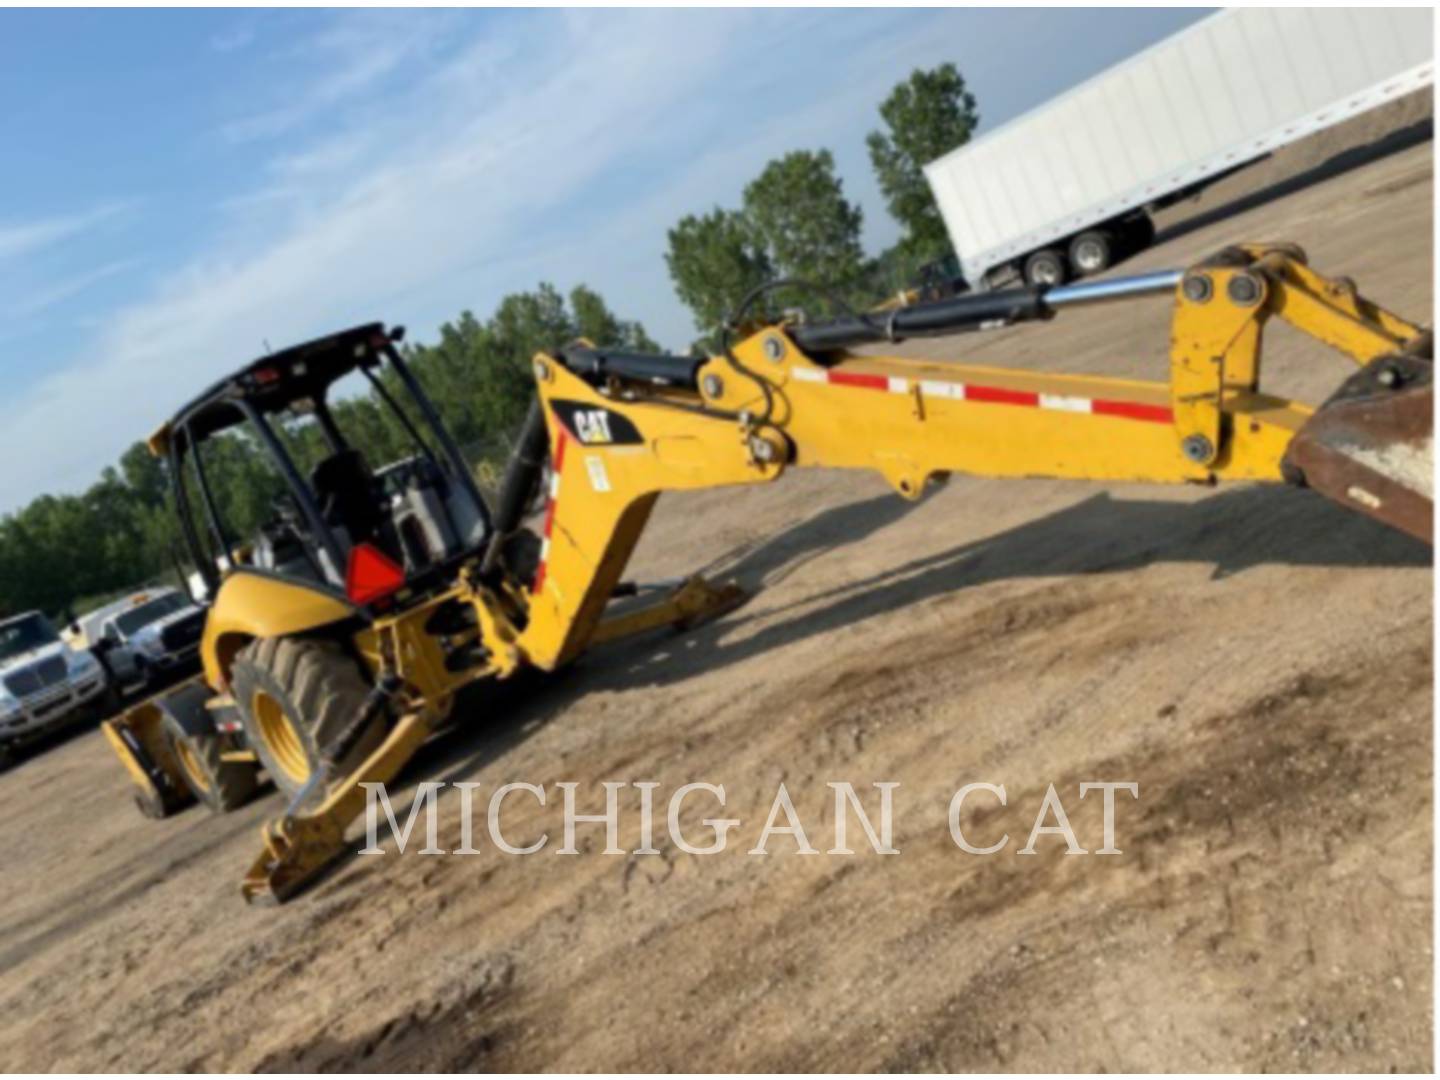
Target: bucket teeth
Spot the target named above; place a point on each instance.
(1371, 446)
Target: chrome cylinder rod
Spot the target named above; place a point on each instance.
(1098, 292)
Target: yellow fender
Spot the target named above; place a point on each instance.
(250, 605)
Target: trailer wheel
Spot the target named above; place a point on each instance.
(1092, 252)
(295, 697)
(1046, 267)
(221, 785)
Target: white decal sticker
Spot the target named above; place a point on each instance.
(599, 480)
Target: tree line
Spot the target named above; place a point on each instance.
(64, 553)
(795, 222)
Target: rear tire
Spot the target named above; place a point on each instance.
(221, 785)
(295, 697)
(1046, 267)
(1092, 252)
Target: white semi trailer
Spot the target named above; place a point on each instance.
(1067, 188)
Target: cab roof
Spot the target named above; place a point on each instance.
(272, 383)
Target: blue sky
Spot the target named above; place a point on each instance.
(181, 186)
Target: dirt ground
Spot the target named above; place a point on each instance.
(1258, 661)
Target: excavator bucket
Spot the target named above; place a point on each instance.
(1371, 446)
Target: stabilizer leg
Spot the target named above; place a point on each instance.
(690, 604)
(300, 847)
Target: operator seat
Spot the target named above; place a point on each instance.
(345, 489)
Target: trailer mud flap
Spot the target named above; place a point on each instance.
(1371, 446)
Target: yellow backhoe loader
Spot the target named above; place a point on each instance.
(337, 639)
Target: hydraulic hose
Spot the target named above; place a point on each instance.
(522, 476)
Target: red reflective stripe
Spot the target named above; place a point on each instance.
(999, 396)
(559, 454)
(868, 382)
(557, 462)
(1155, 414)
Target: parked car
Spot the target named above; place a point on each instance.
(45, 684)
(147, 639)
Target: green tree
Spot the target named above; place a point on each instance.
(144, 474)
(714, 261)
(596, 322)
(926, 116)
(798, 214)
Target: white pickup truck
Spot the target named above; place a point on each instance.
(45, 684)
(146, 638)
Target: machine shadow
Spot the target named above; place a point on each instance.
(1231, 532)
(769, 560)
(1343, 162)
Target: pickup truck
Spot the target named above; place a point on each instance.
(45, 684)
(146, 639)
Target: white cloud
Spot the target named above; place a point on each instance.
(233, 39)
(561, 146)
(341, 62)
(60, 291)
(28, 237)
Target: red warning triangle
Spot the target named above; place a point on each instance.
(371, 575)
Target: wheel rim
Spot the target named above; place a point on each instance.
(190, 762)
(1046, 273)
(282, 739)
(1090, 256)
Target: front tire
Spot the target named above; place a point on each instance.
(221, 785)
(295, 697)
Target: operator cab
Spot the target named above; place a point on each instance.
(273, 469)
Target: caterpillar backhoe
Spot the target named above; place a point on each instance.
(337, 639)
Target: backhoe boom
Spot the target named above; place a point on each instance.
(623, 429)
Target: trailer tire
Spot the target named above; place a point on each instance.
(1046, 267)
(295, 696)
(221, 785)
(1092, 252)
